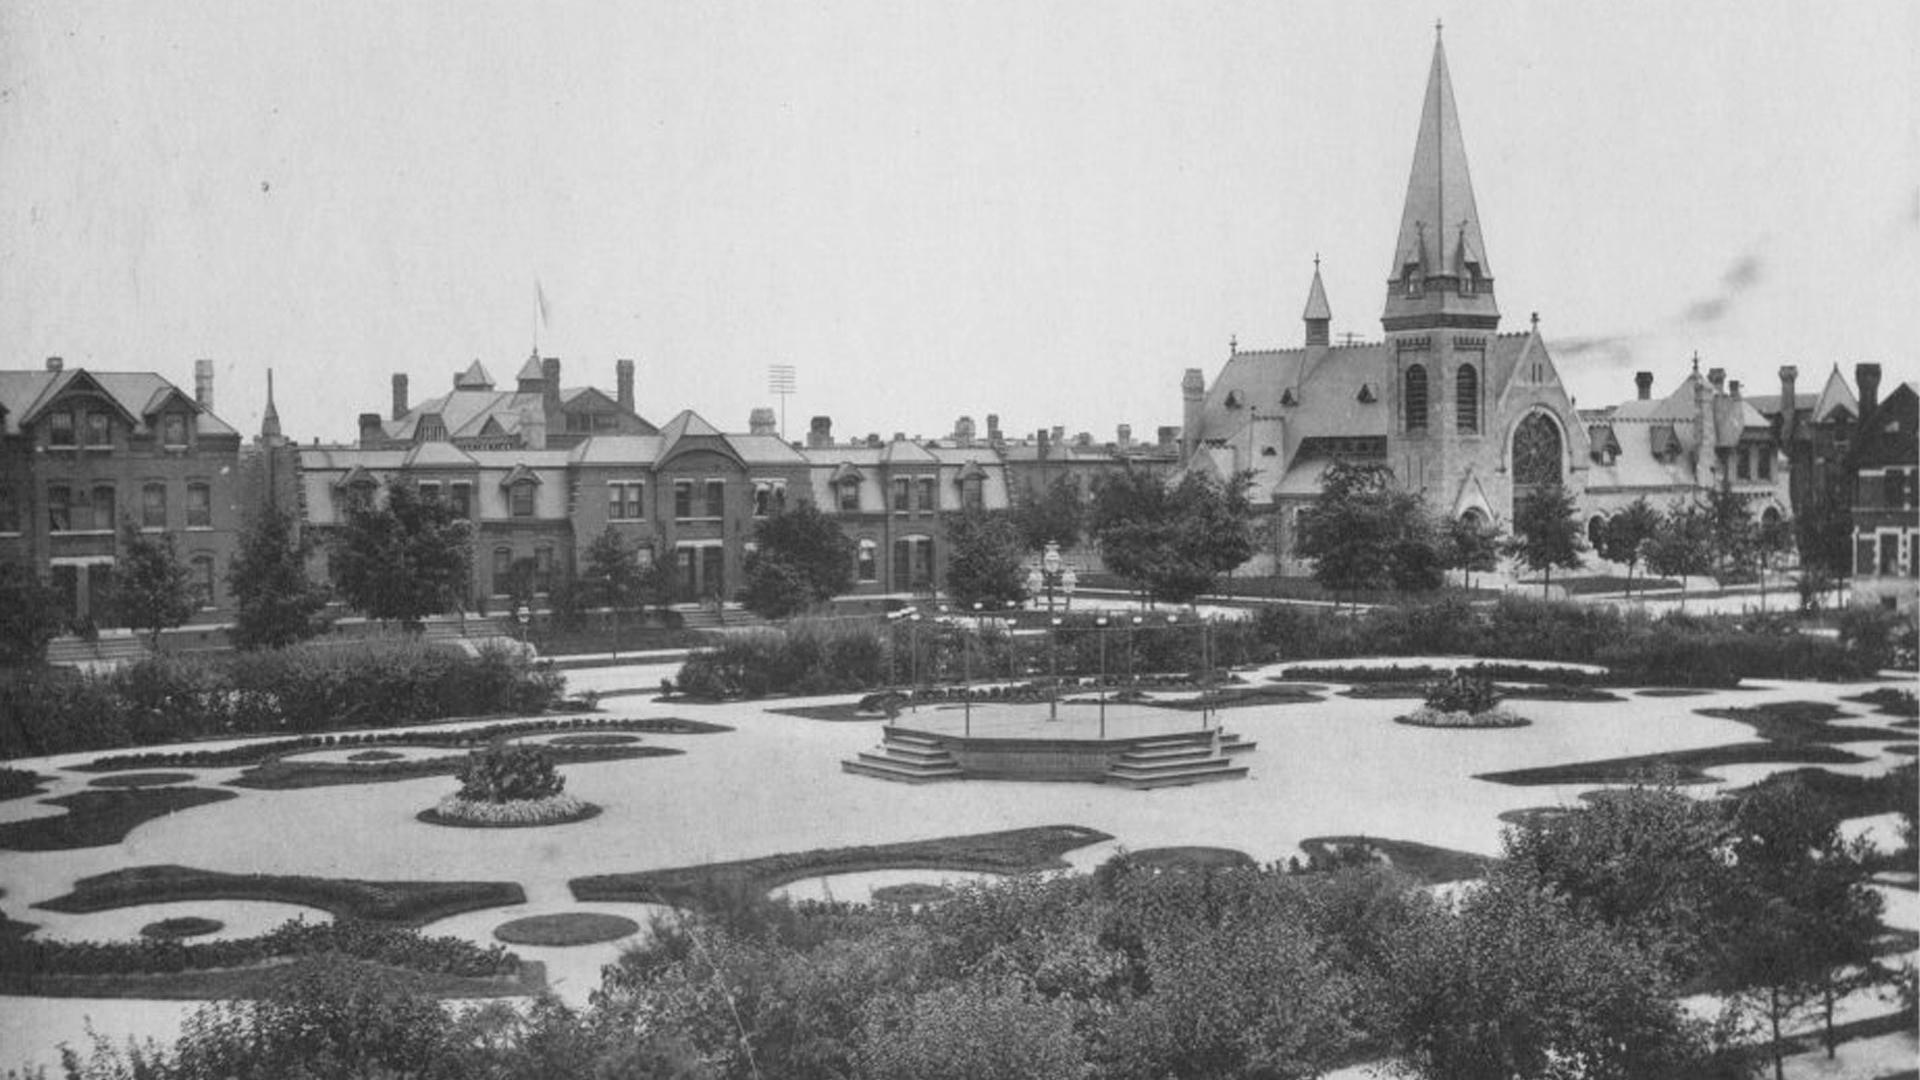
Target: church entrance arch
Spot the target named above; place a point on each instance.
(1538, 455)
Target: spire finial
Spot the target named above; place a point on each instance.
(1436, 28)
(1536, 322)
(1316, 262)
(1696, 361)
(1233, 345)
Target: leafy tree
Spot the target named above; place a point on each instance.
(1681, 546)
(153, 587)
(1363, 532)
(1056, 514)
(1171, 540)
(403, 559)
(611, 576)
(974, 1031)
(1546, 532)
(803, 559)
(277, 603)
(30, 615)
(1730, 532)
(1627, 534)
(1472, 546)
(1772, 545)
(985, 550)
(1824, 534)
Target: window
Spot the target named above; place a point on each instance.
(1466, 400)
(682, 499)
(1416, 398)
(1913, 555)
(153, 506)
(99, 432)
(1765, 463)
(460, 498)
(850, 496)
(1742, 463)
(60, 429)
(1889, 554)
(864, 568)
(543, 569)
(502, 571)
(929, 496)
(769, 497)
(971, 496)
(623, 500)
(1536, 452)
(716, 498)
(1596, 530)
(902, 494)
(173, 430)
(199, 506)
(520, 500)
(59, 508)
(1895, 492)
(201, 580)
(9, 511)
(430, 490)
(902, 566)
(102, 508)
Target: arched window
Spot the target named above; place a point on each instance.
(1596, 530)
(1473, 516)
(1416, 398)
(864, 562)
(1536, 452)
(502, 571)
(1466, 400)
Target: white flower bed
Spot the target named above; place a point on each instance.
(1492, 718)
(553, 808)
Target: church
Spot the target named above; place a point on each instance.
(1470, 417)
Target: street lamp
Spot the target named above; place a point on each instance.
(1100, 628)
(913, 660)
(1133, 681)
(966, 659)
(1053, 669)
(523, 615)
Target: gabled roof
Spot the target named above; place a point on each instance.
(1835, 396)
(905, 451)
(617, 450)
(686, 423)
(519, 474)
(437, 453)
(135, 394)
(1440, 223)
(846, 473)
(531, 369)
(474, 378)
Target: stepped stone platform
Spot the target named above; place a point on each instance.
(1141, 747)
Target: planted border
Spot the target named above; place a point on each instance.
(1427, 863)
(402, 903)
(566, 929)
(282, 775)
(1013, 851)
(100, 818)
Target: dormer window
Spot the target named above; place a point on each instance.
(520, 499)
(173, 430)
(99, 433)
(1235, 399)
(1287, 397)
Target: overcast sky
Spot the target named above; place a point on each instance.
(1042, 210)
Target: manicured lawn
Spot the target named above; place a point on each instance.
(1801, 722)
(19, 783)
(284, 775)
(100, 818)
(141, 779)
(405, 903)
(1191, 858)
(569, 928)
(1429, 864)
(184, 927)
(912, 892)
(608, 739)
(1687, 766)
(1010, 852)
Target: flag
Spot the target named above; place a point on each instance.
(540, 301)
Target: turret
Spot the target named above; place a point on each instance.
(1318, 314)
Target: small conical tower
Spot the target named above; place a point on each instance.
(1319, 314)
(1440, 275)
(270, 422)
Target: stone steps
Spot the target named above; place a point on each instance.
(1189, 758)
(905, 757)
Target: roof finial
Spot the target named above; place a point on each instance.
(1316, 262)
(1536, 322)
(1696, 361)
(1436, 28)
(1233, 345)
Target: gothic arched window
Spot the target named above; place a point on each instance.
(1536, 452)
(1466, 400)
(1416, 398)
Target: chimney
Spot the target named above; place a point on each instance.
(993, 428)
(963, 431)
(1734, 388)
(1789, 412)
(899, 436)
(873, 440)
(399, 396)
(371, 434)
(820, 432)
(1717, 378)
(550, 391)
(54, 363)
(1045, 444)
(203, 383)
(1060, 433)
(623, 383)
(761, 421)
(1644, 381)
(1193, 394)
(1085, 438)
(1867, 378)
(1166, 436)
(1124, 436)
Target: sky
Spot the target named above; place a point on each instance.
(1042, 210)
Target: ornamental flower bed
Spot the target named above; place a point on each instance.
(508, 786)
(551, 810)
(1463, 700)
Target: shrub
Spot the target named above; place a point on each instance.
(1462, 692)
(507, 773)
(808, 656)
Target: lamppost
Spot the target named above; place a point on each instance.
(966, 659)
(1051, 574)
(1100, 628)
(913, 660)
(523, 615)
(1133, 681)
(1053, 669)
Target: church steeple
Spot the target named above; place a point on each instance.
(1319, 314)
(1440, 274)
(270, 421)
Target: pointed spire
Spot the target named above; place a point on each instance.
(270, 422)
(1319, 314)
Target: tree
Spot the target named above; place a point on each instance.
(1680, 546)
(1772, 545)
(30, 615)
(1363, 532)
(404, 559)
(1546, 532)
(984, 559)
(153, 588)
(1055, 514)
(803, 559)
(1172, 540)
(277, 603)
(1472, 545)
(1625, 538)
(1730, 532)
(612, 576)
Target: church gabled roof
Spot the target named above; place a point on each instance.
(1440, 225)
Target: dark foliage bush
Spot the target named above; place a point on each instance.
(507, 773)
(1463, 692)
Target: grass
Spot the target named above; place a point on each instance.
(100, 818)
(375, 755)
(185, 926)
(1426, 863)
(609, 739)
(845, 712)
(1508, 692)
(141, 779)
(1190, 858)
(1850, 796)
(19, 783)
(253, 982)
(569, 928)
(1012, 851)
(284, 775)
(1800, 722)
(1520, 671)
(1238, 697)
(912, 892)
(402, 903)
(1890, 702)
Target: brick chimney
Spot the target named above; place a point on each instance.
(54, 363)
(993, 428)
(963, 431)
(550, 386)
(1789, 413)
(1643, 381)
(203, 383)
(399, 396)
(1717, 378)
(371, 433)
(1166, 436)
(1734, 389)
(761, 421)
(623, 384)
(1123, 435)
(1193, 397)
(819, 432)
(1867, 378)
